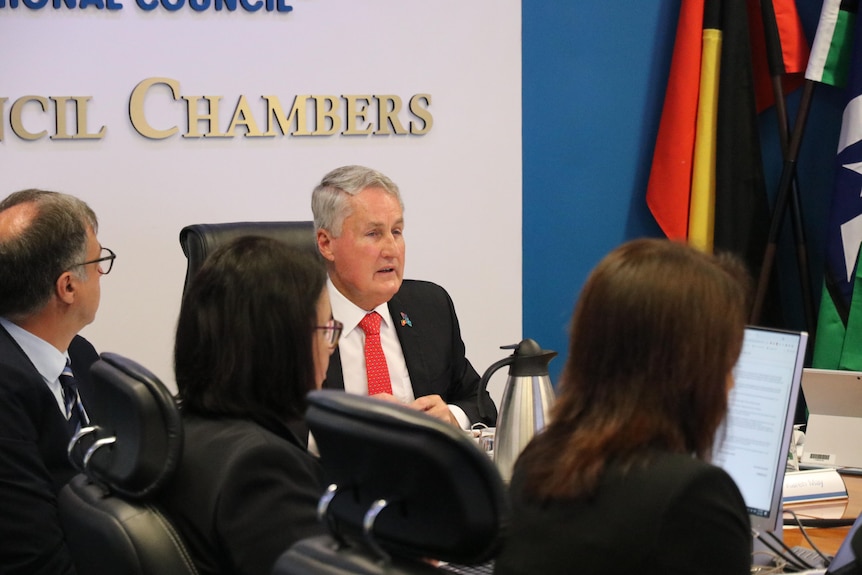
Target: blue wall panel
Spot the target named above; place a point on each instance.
(594, 75)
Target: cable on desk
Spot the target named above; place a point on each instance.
(826, 558)
(792, 560)
(820, 523)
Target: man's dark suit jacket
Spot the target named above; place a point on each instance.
(433, 350)
(244, 492)
(33, 464)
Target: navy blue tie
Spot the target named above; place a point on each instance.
(75, 413)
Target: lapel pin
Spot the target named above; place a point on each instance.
(405, 320)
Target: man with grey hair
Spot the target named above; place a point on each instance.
(401, 339)
(50, 269)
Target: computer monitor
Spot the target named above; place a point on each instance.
(753, 443)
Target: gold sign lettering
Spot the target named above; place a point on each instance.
(194, 116)
(62, 105)
(136, 108)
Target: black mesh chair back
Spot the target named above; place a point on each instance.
(199, 240)
(405, 487)
(130, 450)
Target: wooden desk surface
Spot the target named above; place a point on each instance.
(828, 540)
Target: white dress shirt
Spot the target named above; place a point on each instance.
(351, 348)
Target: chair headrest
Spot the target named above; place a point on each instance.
(132, 405)
(200, 240)
(445, 498)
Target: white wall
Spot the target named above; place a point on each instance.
(461, 181)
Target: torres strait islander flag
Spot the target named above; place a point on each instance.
(837, 56)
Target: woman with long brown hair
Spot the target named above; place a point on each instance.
(619, 481)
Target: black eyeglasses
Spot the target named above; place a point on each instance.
(332, 331)
(106, 255)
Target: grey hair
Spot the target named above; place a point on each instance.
(330, 199)
(53, 241)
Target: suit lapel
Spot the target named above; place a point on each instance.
(410, 337)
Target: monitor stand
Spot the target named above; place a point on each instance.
(763, 555)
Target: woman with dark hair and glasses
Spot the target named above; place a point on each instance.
(254, 336)
(619, 481)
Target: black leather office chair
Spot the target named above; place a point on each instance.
(199, 240)
(405, 487)
(130, 450)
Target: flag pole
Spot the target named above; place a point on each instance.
(795, 207)
(805, 286)
(788, 191)
(785, 189)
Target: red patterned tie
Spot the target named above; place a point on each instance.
(375, 361)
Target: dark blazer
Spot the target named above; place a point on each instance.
(243, 493)
(430, 338)
(33, 464)
(675, 515)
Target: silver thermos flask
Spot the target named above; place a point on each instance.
(527, 399)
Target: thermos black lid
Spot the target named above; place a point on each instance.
(529, 358)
